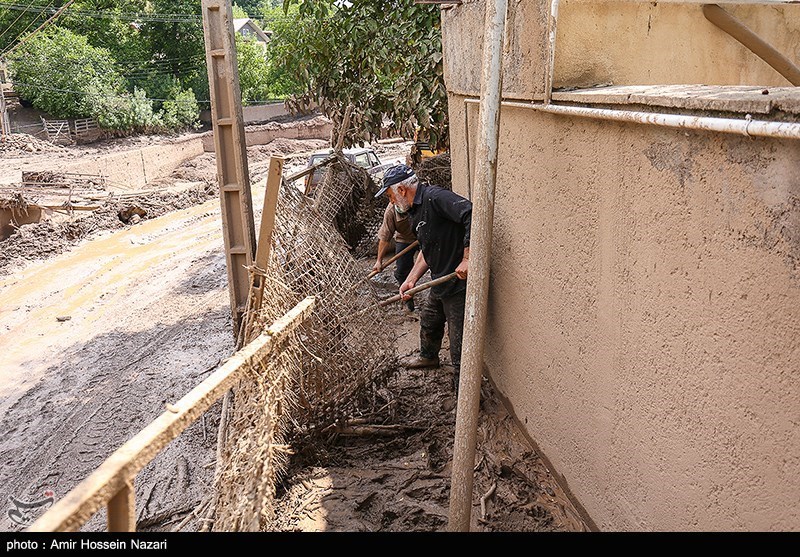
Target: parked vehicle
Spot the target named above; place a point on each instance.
(364, 157)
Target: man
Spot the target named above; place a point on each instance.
(441, 220)
(399, 225)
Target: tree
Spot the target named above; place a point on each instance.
(57, 70)
(382, 57)
(253, 70)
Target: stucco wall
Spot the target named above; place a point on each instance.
(623, 43)
(645, 316)
(656, 43)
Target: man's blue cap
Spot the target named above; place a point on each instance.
(395, 175)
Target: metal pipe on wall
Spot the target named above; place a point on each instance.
(552, 27)
(746, 127)
(758, 46)
(477, 295)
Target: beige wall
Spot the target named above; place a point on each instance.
(647, 43)
(645, 316)
(624, 43)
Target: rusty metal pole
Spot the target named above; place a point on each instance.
(753, 42)
(469, 391)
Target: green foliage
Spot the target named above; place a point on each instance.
(239, 12)
(57, 70)
(181, 112)
(383, 57)
(177, 48)
(288, 28)
(253, 70)
(120, 37)
(126, 112)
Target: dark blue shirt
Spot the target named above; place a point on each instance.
(441, 220)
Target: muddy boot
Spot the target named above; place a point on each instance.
(417, 362)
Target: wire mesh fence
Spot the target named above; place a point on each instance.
(338, 354)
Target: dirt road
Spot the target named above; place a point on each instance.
(95, 341)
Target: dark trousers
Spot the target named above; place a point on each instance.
(432, 318)
(403, 266)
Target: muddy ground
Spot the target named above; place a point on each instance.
(101, 329)
(389, 469)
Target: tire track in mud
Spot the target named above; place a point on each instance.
(108, 388)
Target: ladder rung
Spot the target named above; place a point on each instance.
(218, 52)
(237, 249)
(231, 187)
(225, 122)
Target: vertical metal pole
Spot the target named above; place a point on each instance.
(552, 27)
(5, 128)
(231, 151)
(469, 391)
(122, 510)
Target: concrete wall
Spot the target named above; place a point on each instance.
(252, 114)
(644, 317)
(624, 43)
(133, 169)
(315, 128)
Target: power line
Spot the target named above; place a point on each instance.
(15, 22)
(30, 24)
(132, 17)
(32, 34)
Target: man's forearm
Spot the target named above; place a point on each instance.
(383, 247)
(420, 266)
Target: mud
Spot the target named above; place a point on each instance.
(130, 317)
(397, 478)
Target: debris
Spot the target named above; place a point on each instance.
(63, 318)
(436, 171)
(485, 498)
(23, 143)
(129, 212)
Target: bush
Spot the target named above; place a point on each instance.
(181, 112)
(125, 112)
(253, 70)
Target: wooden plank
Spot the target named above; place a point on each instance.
(274, 179)
(238, 224)
(122, 510)
(310, 169)
(78, 506)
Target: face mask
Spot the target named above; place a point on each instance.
(398, 211)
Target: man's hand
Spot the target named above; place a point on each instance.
(407, 285)
(461, 270)
(378, 265)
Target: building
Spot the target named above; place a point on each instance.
(249, 29)
(644, 304)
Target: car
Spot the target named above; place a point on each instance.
(364, 157)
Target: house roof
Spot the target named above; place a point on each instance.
(261, 35)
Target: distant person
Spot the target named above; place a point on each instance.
(441, 221)
(397, 224)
